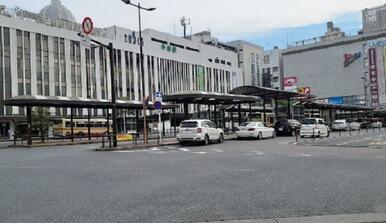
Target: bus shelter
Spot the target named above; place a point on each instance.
(29, 101)
(269, 94)
(328, 111)
(210, 99)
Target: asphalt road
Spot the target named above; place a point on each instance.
(235, 180)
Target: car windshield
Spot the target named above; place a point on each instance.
(309, 122)
(189, 125)
(248, 124)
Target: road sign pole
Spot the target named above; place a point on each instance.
(159, 124)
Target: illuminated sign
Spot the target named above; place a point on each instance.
(373, 77)
(350, 58)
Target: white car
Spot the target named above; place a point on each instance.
(354, 125)
(314, 127)
(204, 131)
(340, 125)
(255, 130)
(376, 124)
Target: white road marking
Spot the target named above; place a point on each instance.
(184, 150)
(217, 150)
(300, 155)
(258, 153)
(199, 152)
(155, 149)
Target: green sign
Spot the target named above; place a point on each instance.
(169, 48)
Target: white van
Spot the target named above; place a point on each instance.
(314, 127)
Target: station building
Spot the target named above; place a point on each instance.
(41, 54)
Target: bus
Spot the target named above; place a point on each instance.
(98, 127)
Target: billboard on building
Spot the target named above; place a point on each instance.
(336, 100)
(290, 83)
(373, 77)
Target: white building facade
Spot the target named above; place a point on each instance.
(272, 67)
(43, 56)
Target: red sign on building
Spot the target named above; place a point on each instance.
(373, 77)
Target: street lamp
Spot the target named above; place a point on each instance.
(128, 2)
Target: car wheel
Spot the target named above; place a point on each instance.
(221, 139)
(182, 143)
(206, 140)
(260, 136)
(273, 134)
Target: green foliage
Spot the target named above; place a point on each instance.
(41, 120)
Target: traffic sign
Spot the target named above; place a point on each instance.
(157, 105)
(86, 42)
(87, 26)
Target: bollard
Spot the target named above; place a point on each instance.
(103, 141)
(296, 135)
(110, 141)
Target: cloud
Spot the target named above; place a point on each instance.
(223, 17)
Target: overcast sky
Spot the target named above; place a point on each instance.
(245, 19)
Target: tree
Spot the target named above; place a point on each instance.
(41, 121)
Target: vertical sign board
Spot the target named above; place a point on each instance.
(373, 77)
(201, 78)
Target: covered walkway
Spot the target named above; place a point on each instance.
(73, 103)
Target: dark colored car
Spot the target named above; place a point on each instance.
(287, 127)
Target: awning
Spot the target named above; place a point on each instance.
(208, 98)
(265, 93)
(77, 102)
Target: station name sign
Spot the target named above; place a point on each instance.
(132, 38)
(350, 58)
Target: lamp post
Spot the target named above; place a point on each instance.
(128, 2)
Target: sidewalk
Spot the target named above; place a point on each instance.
(151, 144)
(345, 218)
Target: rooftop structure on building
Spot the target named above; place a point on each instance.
(374, 19)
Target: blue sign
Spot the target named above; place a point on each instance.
(336, 100)
(158, 105)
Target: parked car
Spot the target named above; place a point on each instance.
(204, 131)
(287, 127)
(256, 130)
(314, 127)
(340, 125)
(353, 124)
(376, 124)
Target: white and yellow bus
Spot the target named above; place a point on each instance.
(98, 127)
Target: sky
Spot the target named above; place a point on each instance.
(264, 22)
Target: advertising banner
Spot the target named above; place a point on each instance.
(373, 77)
(290, 83)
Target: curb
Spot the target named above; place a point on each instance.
(344, 218)
(138, 147)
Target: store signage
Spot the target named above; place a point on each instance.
(267, 59)
(373, 77)
(336, 100)
(304, 90)
(350, 58)
(377, 43)
(132, 38)
(169, 48)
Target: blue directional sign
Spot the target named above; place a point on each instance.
(158, 105)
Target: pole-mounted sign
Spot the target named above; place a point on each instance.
(87, 26)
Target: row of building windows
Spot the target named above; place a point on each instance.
(59, 61)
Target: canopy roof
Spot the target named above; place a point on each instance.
(265, 93)
(76, 102)
(326, 106)
(208, 98)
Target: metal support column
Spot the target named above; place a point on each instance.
(232, 122)
(174, 122)
(289, 108)
(239, 114)
(276, 109)
(29, 123)
(89, 124)
(250, 112)
(215, 115)
(186, 111)
(72, 124)
(264, 113)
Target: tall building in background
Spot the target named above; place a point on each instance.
(41, 54)
(374, 19)
(272, 67)
(250, 61)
